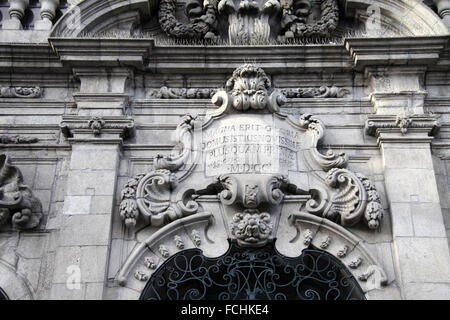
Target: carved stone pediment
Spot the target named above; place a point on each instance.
(18, 206)
(250, 21)
(246, 159)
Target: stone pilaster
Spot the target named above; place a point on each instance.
(397, 90)
(85, 224)
(103, 91)
(419, 238)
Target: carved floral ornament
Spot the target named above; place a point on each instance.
(161, 196)
(250, 21)
(208, 193)
(18, 206)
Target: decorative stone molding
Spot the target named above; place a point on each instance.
(322, 92)
(17, 139)
(20, 92)
(18, 205)
(295, 14)
(202, 16)
(207, 93)
(182, 93)
(380, 125)
(356, 200)
(249, 194)
(106, 129)
(309, 231)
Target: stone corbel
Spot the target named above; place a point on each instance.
(97, 129)
(443, 7)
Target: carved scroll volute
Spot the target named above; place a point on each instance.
(249, 88)
(17, 202)
(154, 197)
(251, 192)
(326, 161)
(184, 139)
(355, 200)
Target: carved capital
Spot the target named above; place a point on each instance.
(97, 129)
(392, 128)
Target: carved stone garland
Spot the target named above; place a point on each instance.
(249, 22)
(202, 18)
(342, 196)
(295, 14)
(18, 205)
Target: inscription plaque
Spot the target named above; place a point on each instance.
(259, 144)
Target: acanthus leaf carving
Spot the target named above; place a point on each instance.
(356, 199)
(20, 92)
(322, 92)
(17, 202)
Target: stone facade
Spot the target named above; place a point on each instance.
(132, 130)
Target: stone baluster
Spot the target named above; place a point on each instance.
(443, 7)
(48, 13)
(16, 12)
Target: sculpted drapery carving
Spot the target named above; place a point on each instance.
(214, 158)
(250, 22)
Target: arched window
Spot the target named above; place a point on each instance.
(252, 273)
(3, 295)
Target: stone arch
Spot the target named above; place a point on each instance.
(403, 17)
(207, 232)
(14, 285)
(96, 16)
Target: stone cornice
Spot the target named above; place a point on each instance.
(97, 52)
(395, 51)
(103, 130)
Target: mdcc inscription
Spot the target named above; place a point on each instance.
(259, 144)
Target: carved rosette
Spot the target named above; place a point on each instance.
(251, 228)
(18, 205)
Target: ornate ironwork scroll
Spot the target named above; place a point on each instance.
(249, 274)
(3, 295)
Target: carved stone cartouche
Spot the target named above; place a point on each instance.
(17, 203)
